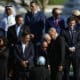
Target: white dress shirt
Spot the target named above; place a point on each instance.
(23, 47)
(18, 30)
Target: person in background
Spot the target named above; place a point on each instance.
(75, 13)
(4, 53)
(56, 21)
(42, 51)
(35, 19)
(47, 38)
(14, 35)
(78, 23)
(14, 32)
(71, 37)
(24, 55)
(40, 72)
(56, 53)
(8, 19)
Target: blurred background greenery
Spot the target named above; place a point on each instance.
(56, 2)
(51, 2)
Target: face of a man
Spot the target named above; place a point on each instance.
(47, 38)
(72, 24)
(8, 11)
(53, 33)
(19, 21)
(26, 38)
(44, 45)
(57, 13)
(33, 7)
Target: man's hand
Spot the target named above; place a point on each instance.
(23, 63)
(72, 49)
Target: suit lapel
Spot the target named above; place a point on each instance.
(15, 31)
(69, 35)
(19, 47)
(74, 35)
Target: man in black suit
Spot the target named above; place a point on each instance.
(14, 32)
(24, 54)
(72, 40)
(14, 35)
(56, 52)
(42, 51)
(35, 19)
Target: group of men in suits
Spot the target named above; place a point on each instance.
(60, 45)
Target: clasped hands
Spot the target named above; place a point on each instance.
(72, 49)
(24, 63)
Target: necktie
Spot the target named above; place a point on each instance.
(56, 23)
(72, 34)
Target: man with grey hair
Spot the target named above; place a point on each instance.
(56, 53)
(47, 38)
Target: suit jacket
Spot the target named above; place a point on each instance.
(50, 22)
(71, 42)
(27, 55)
(36, 23)
(40, 52)
(56, 51)
(4, 53)
(39, 73)
(12, 36)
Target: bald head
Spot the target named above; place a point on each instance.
(47, 38)
(52, 32)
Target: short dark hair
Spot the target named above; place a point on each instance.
(54, 9)
(70, 19)
(18, 16)
(33, 2)
(24, 33)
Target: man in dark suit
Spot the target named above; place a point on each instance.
(36, 21)
(24, 54)
(14, 32)
(56, 52)
(72, 39)
(13, 35)
(42, 51)
(55, 21)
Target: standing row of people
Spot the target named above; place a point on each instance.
(59, 45)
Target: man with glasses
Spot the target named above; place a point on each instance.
(55, 21)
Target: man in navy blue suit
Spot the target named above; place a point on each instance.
(55, 21)
(24, 54)
(36, 20)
